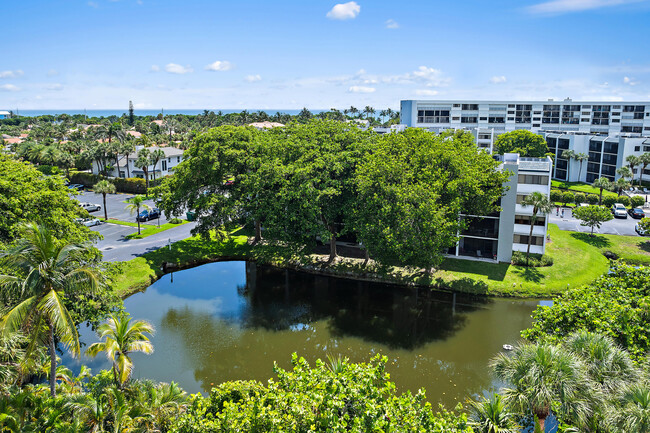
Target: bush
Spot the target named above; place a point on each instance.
(624, 200)
(592, 199)
(556, 195)
(567, 197)
(336, 397)
(637, 201)
(535, 260)
(175, 220)
(48, 170)
(131, 185)
(580, 198)
(610, 200)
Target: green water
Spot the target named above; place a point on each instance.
(232, 320)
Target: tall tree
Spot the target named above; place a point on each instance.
(492, 416)
(48, 270)
(133, 206)
(592, 216)
(104, 187)
(633, 161)
(523, 142)
(143, 161)
(121, 338)
(540, 204)
(644, 160)
(569, 155)
(155, 157)
(581, 158)
(131, 115)
(601, 183)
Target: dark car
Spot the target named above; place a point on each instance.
(636, 213)
(77, 186)
(147, 215)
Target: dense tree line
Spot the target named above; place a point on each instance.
(399, 194)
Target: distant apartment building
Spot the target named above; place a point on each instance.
(496, 236)
(164, 167)
(5, 114)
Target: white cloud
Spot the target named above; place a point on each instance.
(52, 72)
(11, 74)
(9, 88)
(498, 79)
(392, 24)
(93, 5)
(155, 68)
(253, 78)
(361, 89)
(219, 65)
(566, 6)
(426, 92)
(629, 81)
(54, 86)
(174, 68)
(344, 11)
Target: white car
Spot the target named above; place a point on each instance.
(90, 207)
(640, 231)
(619, 211)
(88, 222)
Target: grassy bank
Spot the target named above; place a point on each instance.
(578, 260)
(580, 187)
(146, 229)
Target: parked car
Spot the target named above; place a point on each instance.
(90, 207)
(88, 222)
(77, 186)
(147, 215)
(619, 211)
(640, 231)
(636, 213)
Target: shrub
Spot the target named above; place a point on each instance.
(175, 220)
(337, 396)
(592, 199)
(637, 201)
(580, 198)
(610, 200)
(131, 185)
(556, 195)
(624, 200)
(535, 260)
(568, 197)
(48, 170)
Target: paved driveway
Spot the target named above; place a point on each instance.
(115, 205)
(613, 227)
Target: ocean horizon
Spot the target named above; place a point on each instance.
(147, 112)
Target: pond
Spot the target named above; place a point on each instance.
(231, 320)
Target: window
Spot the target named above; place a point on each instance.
(496, 120)
(178, 159)
(456, 105)
(637, 148)
(602, 108)
(433, 116)
(455, 119)
(535, 125)
(525, 219)
(532, 179)
(465, 119)
(633, 129)
(473, 107)
(646, 148)
(164, 165)
(523, 239)
(483, 118)
(484, 136)
(520, 198)
(638, 115)
(616, 120)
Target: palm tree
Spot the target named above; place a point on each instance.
(568, 155)
(542, 375)
(134, 205)
(127, 148)
(580, 157)
(601, 183)
(143, 161)
(634, 413)
(633, 161)
(51, 268)
(156, 156)
(492, 416)
(121, 338)
(91, 410)
(621, 183)
(104, 187)
(541, 204)
(644, 160)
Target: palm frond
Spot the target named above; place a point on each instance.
(59, 318)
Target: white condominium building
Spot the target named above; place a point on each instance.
(593, 117)
(496, 236)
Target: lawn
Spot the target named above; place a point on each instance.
(578, 260)
(146, 229)
(581, 187)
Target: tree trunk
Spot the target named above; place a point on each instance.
(258, 231)
(146, 180)
(117, 382)
(600, 199)
(137, 218)
(105, 211)
(154, 170)
(366, 257)
(332, 248)
(127, 165)
(530, 238)
(52, 361)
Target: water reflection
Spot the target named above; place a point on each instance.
(232, 320)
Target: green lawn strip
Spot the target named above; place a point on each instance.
(634, 250)
(122, 223)
(580, 187)
(149, 230)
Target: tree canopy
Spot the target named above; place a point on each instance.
(523, 142)
(592, 216)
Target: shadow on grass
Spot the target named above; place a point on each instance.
(528, 274)
(596, 240)
(493, 271)
(644, 245)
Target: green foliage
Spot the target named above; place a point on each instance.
(523, 142)
(592, 216)
(609, 201)
(556, 195)
(568, 197)
(175, 221)
(579, 198)
(637, 201)
(615, 305)
(131, 185)
(624, 200)
(592, 199)
(535, 260)
(356, 398)
(27, 195)
(644, 224)
(48, 170)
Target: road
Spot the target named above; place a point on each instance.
(617, 226)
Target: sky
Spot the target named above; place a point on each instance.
(319, 54)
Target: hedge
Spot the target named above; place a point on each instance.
(131, 185)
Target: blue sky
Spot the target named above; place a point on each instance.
(71, 54)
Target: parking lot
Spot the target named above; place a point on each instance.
(617, 226)
(116, 206)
